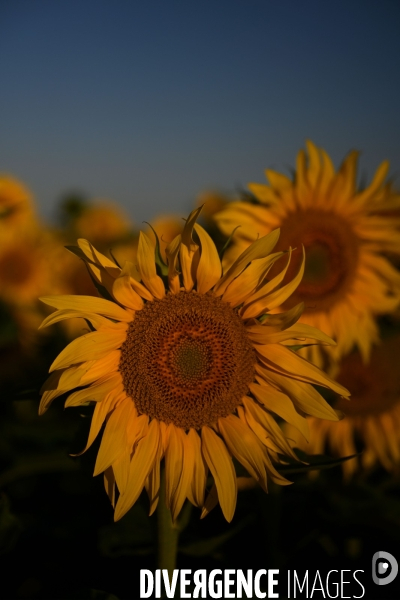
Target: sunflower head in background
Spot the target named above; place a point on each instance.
(213, 202)
(32, 263)
(16, 206)
(372, 418)
(190, 366)
(103, 222)
(347, 233)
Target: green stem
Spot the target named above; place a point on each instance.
(271, 509)
(168, 533)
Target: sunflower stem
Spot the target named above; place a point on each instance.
(168, 533)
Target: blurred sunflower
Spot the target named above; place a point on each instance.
(190, 366)
(346, 232)
(102, 222)
(16, 206)
(213, 202)
(372, 418)
(29, 266)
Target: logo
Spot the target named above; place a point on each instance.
(384, 568)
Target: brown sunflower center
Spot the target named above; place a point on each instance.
(331, 256)
(375, 387)
(187, 359)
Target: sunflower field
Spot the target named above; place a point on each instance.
(212, 392)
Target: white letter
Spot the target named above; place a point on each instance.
(211, 590)
(242, 583)
(158, 583)
(272, 583)
(342, 582)
(228, 582)
(170, 589)
(327, 584)
(257, 591)
(359, 582)
(305, 583)
(200, 579)
(185, 582)
(320, 589)
(150, 579)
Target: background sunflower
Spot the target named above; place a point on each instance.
(347, 232)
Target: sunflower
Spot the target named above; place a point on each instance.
(102, 222)
(30, 266)
(188, 366)
(16, 205)
(32, 263)
(372, 418)
(213, 202)
(347, 233)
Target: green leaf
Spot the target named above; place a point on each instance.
(313, 462)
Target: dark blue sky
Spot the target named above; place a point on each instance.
(150, 102)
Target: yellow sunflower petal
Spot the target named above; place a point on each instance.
(91, 346)
(314, 166)
(95, 369)
(97, 321)
(141, 465)
(179, 462)
(245, 284)
(258, 249)
(120, 466)
(303, 395)
(111, 384)
(274, 299)
(199, 478)
(297, 333)
(288, 362)
(211, 502)
(109, 485)
(114, 439)
(89, 304)
(152, 484)
(269, 424)
(147, 267)
(243, 445)
(379, 178)
(100, 413)
(264, 291)
(123, 292)
(97, 257)
(274, 323)
(263, 193)
(209, 268)
(220, 464)
(280, 404)
(58, 383)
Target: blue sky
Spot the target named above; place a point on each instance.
(149, 103)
